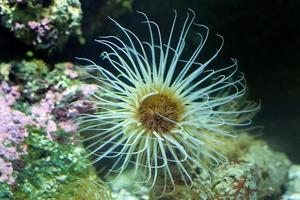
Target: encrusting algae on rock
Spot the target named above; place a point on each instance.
(40, 156)
(253, 171)
(42, 24)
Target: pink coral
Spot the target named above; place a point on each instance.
(70, 72)
(33, 24)
(45, 21)
(42, 29)
(12, 131)
(51, 126)
(50, 114)
(47, 114)
(42, 112)
(68, 126)
(18, 26)
(10, 93)
(6, 172)
(88, 89)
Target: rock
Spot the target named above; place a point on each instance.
(41, 24)
(273, 166)
(293, 185)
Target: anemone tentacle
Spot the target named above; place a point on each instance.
(161, 111)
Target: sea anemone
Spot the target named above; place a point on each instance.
(158, 111)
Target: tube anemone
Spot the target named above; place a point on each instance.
(159, 112)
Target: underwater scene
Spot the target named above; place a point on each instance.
(145, 100)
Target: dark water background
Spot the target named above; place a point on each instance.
(264, 35)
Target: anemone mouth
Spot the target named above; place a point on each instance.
(160, 112)
(163, 113)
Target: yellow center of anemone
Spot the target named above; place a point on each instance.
(160, 112)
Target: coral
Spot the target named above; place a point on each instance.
(31, 75)
(47, 166)
(36, 78)
(6, 171)
(12, 132)
(40, 23)
(39, 152)
(45, 94)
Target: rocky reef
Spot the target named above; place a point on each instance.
(253, 171)
(42, 24)
(293, 185)
(40, 156)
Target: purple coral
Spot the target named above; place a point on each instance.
(10, 94)
(47, 114)
(43, 30)
(33, 24)
(6, 172)
(12, 123)
(89, 89)
(12, 131)
(68, 126)
(18, 26)
(42, 112)
(70, 72)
